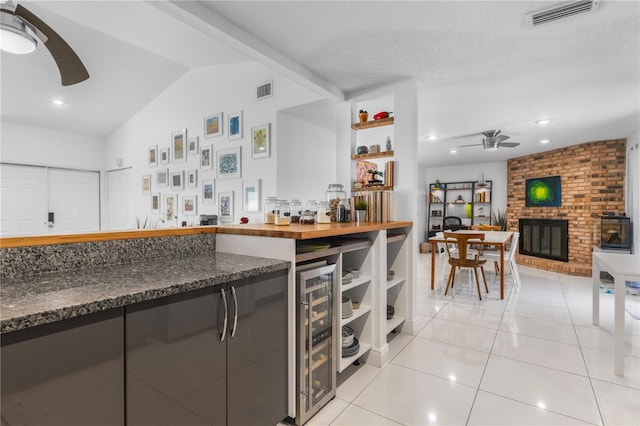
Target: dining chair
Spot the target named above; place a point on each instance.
(509, 258)
(462, 258)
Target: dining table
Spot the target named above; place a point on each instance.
(497, 239)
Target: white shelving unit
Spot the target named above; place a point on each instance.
(396, 288)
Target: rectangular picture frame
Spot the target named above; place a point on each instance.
(192, 146)
(208, 191)
(162, 178)
(251, 195)
(170, 206)
(192, 178)
(189, 205)
(164, 156)
(152, 156)
(229, 163)
(177, 180)
(156, 202)
(146, 184)
(261, 141)
(234, 126)
(213, 125)
(206, 157)
(179, 146)
(225, 206)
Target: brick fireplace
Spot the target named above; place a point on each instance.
(592, 181)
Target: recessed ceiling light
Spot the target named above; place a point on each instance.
(542, 405)
(453, 151)
(432, 137)
(544, 141)
(543, 122)
(58, 101)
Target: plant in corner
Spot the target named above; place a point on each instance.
(500, 218)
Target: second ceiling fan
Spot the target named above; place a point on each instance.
(492, 140)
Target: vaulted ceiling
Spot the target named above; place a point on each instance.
(479, 66)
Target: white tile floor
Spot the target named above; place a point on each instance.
(532, 358)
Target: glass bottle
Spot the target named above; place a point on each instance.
(312, 206)
(296, 210)
(344, 210)
(324, 212)
(283, 213)
(334, 194)
(270, 210)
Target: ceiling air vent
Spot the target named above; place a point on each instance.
(264, 90)
(562, 11)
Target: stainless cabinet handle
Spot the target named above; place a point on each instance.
(310, 346)
(235, 311)
(226, 312)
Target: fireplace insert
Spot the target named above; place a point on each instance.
(548, 238)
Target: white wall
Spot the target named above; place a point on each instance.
(495, 172)
(22, 144)
(199, 93)
(306, 162)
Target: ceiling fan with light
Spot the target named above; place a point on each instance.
(493, 140)
(19, 31)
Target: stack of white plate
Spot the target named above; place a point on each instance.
(347, 307)
(351, 350)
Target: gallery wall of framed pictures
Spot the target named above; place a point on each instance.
(183, 174)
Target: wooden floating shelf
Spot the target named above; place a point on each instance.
(371, 124)
(383, 154)
(372, 188)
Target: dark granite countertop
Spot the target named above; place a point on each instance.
(40, 299)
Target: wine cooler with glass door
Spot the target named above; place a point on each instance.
(316, 340)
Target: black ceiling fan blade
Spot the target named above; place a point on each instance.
(470, 135)
(501, 138)
(508, 144)
(465, 146)
(72, 70)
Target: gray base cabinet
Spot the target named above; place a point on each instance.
(215, 356)
(65, 373)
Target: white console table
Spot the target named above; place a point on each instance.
(623, 267)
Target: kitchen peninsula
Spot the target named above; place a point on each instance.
(82, 307)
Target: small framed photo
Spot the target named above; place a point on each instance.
(208, 191)
(261, 141)
(146, 184)
(189, 207)
(213, 125)
(164, 156)
(229, 163)
(192, 178)
(177, 180)
(153, 156)
(206, 157)
(170, 206)
(192, 146)
(155, 202)
(251, 195)
(235, 126)
(162, 178)
(179, 146)
(225, 206)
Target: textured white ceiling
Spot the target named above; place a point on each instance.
(478, 65)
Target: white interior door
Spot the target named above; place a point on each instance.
(119, 195)
(74, 199)
(23, 200)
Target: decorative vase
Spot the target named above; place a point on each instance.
(364, 116)
(361, 216)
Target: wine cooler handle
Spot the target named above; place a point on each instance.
(310, 357)
(226, 312)
(235, 311)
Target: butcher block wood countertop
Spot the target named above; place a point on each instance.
(306, 232)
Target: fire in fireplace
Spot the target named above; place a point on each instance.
(548, 238)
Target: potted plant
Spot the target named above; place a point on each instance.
(500, 218)
(374, 177)
(361, 210)
(364, 116)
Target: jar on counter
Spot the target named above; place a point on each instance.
(334, 194)
(307, 217)
(324, 212)
(312, 206)
(344, 210)
(296, 210)
(270, 210)
(283, 213)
